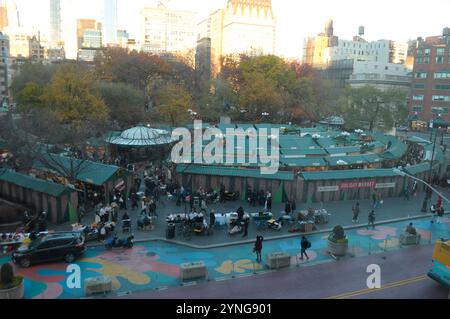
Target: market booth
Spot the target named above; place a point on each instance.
(142, 143)
(90, 177)
(38, 194)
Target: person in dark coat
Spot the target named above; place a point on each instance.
(305, 244)
(288, 208)
(258, 248)
(246, 222)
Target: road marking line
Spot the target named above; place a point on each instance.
(387, 286)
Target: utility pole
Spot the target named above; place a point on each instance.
(428, 190)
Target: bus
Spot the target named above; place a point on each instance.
(441, 263)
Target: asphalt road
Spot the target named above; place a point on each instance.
(403, 276)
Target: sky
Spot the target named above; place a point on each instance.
(399, 20)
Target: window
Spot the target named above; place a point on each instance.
(440, 60)
(418, 97)
(419, 86)
(440, 51)
(445, 98)
(417, 108)
(427, 52)
(442, 75)
(439, 110)
(441, 87)
(421, 75)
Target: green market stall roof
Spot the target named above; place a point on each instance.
(417, 169)
(347, 174)
(34, 184)
(232, 172)
(303, 162)
(85, 171)
(141, 136)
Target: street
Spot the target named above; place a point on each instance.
(403, 276)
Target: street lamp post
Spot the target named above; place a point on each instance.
(428, 193)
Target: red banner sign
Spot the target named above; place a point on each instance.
(352, 185)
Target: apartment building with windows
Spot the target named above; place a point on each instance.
(430, 92)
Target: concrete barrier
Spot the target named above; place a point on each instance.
(97, 285)
(409, 239)
(195, 270)
(278, 260)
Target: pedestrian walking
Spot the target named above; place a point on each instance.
(374, 200)
(356, 211)
(440, 214)
(371, 219)
(433, 214)
(258, 247)
(304, 245)
(414, 188)
(246, 222)
(406, 193)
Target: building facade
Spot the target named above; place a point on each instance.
(89, 37)
(430, 93)
(4, 69)
(358, 62)
(55, 23)
(167, 31)
(243, 27)
(110, 22)
(249, 27)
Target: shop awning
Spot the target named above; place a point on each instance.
(85, 171)
(232, 172)
(347, 174)
(34, 184)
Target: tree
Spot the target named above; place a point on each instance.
(30, 97)
(125, 103)
(32, 72)
(373, 108)
(173, 104)
(73, 99)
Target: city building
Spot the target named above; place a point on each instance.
(249, 27)
(55, 23)
(89, 39)
(165, 30)
(36, 50)
(381, 63)
(209, 34)
(110, 23)
(4, 70)
(54, 55)
(3, 17)
(243, 27)
(430, 92)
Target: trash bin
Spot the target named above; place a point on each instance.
(170, 231)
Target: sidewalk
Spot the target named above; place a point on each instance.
(341, 214)
(155, 265)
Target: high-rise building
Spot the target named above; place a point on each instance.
(89, 38)
(3, 17)
(249, 27)
(4, 69)
(430, 92)
(55, 23)
(243, 27)
(110, 22)
(167, 31)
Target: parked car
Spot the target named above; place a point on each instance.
(64, 246)
(403, 128)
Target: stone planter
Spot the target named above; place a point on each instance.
(13, 293)
(337, 249)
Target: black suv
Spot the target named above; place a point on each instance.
(66, 246)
